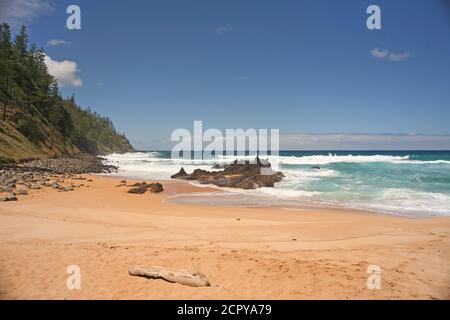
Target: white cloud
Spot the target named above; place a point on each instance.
(65, 72)
(377, 53)
(18, 12)
(57, 42)
(388, 55)
(224, 29)
(398, 56)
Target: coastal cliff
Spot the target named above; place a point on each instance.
(35, 120)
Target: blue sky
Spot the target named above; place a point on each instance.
(300, 66)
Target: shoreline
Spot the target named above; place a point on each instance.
(246, 253)
(288, 206)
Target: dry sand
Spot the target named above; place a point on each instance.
(246, 253)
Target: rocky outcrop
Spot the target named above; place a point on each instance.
(236, 175)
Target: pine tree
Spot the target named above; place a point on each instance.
(6, 64)
(21, 42)
(5, 36)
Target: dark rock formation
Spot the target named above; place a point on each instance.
(236, 175)
(180, 174)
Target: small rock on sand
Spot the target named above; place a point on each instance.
(9, 197)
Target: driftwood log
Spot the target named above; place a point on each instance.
(185, 277)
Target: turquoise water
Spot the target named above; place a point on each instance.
(414, 183)
(408, 182)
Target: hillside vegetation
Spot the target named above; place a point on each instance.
(35, 120)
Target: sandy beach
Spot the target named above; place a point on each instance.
(246, 253)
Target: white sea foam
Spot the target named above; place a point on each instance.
(408, 201)
(302, 184)
(143, 165)
(325, 159)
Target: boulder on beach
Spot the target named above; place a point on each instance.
(138, 190)
(156, 187)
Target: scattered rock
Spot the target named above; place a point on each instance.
(9, 197)
(123, 183)
(56, 185)
(75, 164)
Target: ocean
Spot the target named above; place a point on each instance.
(412, 183)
